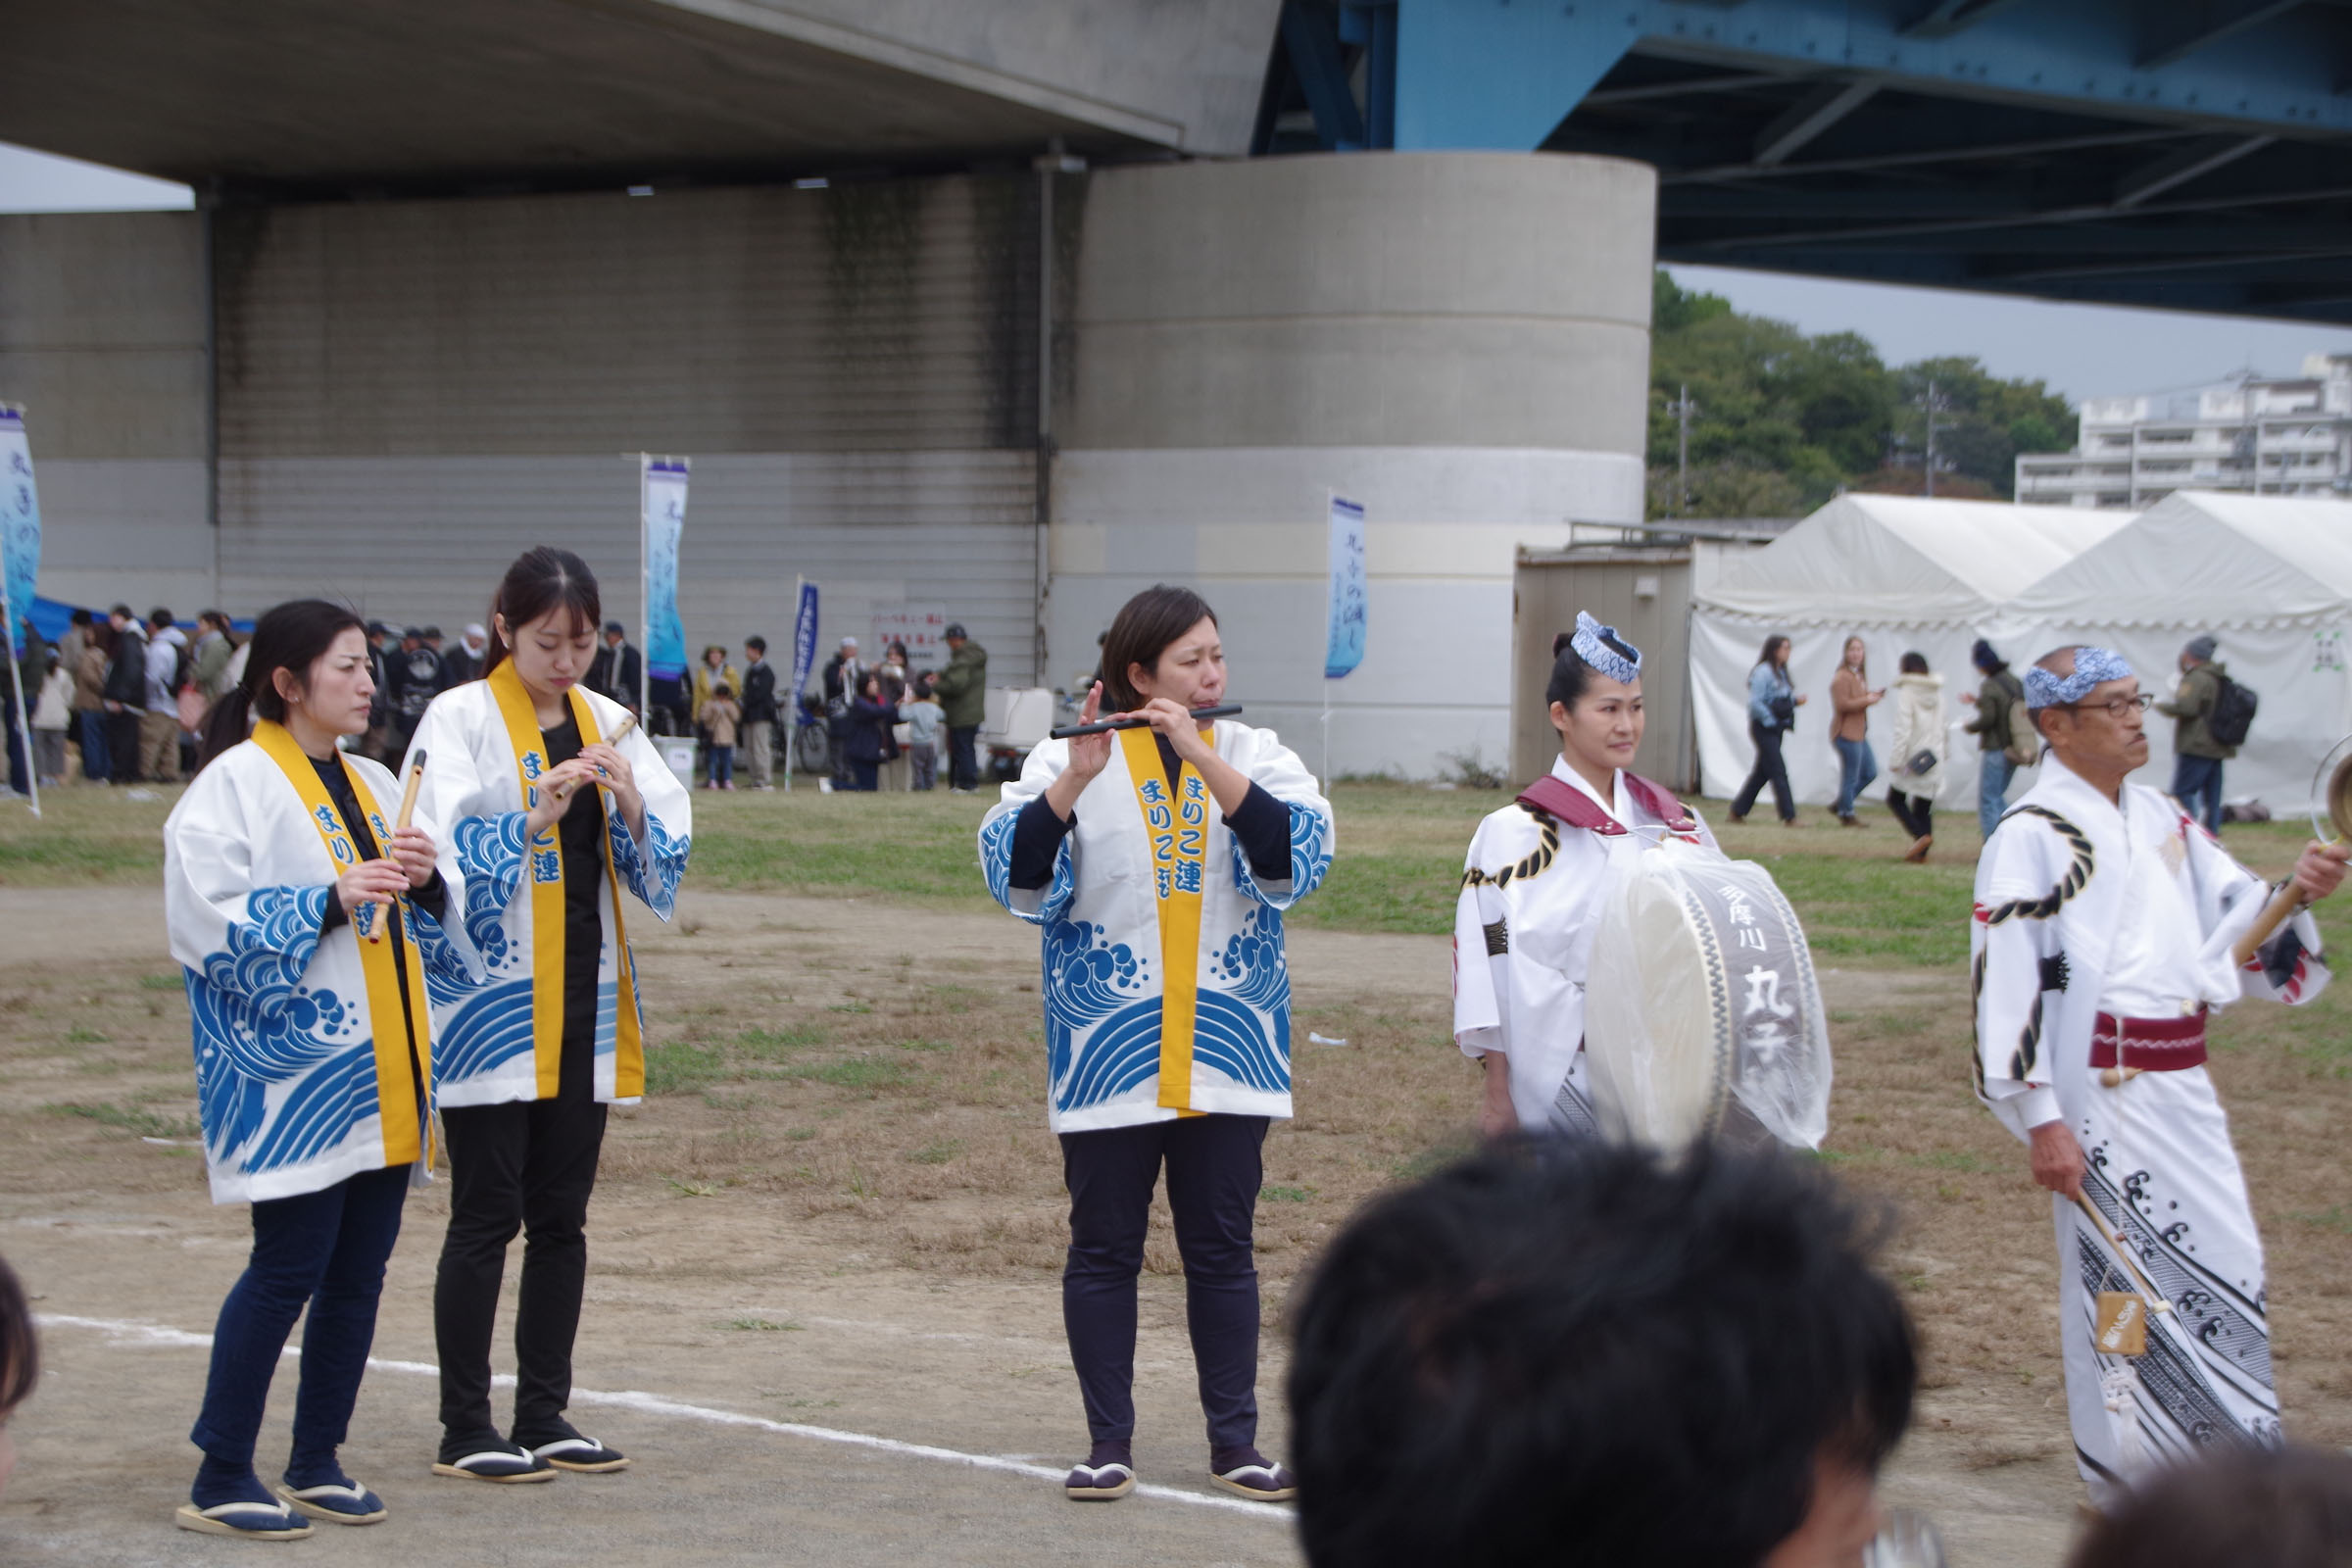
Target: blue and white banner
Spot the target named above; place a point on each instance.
(20, 523)
(804, 644)
(664, 483)
(1343, 648)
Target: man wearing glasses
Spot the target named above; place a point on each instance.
(2105, 917)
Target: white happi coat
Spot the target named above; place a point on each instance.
(1533, 892)
(1102, 947)
(286, 1071)
(2082, 907)
(471, 802)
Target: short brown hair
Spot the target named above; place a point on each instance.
(1144, 630)
(20, 1351)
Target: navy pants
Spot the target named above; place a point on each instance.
(963, 757)
(325, 1250)
(95, 765)
(1769, 770)
(2197, 786)
(1214, 1172)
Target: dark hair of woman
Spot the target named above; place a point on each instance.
(293, 636)
(1915, 664)
(20, 1351)
(1771, 645)
(1145, 628)
(1571, 677)
(541, 580)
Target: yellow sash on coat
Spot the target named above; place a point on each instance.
(394, 1029)
(1177, 824)
(543, 868)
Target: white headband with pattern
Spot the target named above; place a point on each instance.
(1603, 659)
(2093, 666)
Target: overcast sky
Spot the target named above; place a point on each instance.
(2079, 350)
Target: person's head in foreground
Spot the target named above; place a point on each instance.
(20, 1362)
(2091, 710)
(1576, 1354)
(2248, 1508)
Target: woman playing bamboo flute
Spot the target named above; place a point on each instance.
(1538, 880)
(1158, 862)
(311, 936)
(552, 821)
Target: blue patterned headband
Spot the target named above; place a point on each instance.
(2093, 666)
(1600, 656)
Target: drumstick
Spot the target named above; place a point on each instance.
(408, 810)
(2123, 1249)
(1135, 721)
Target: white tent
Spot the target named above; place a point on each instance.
(1906, 574)
(2269, 577)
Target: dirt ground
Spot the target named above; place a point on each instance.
(837, 1220)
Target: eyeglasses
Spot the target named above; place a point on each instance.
(2115, 706)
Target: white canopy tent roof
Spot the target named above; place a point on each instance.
(1905, 573)
(2269, 578)
(1904, 560)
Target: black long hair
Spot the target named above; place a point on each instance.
(295, 635)
(1776, 640)
(542, 579)
(1143, 630)
(19, 1351)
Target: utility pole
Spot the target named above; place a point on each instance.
(1682, 409)
(1929, 466)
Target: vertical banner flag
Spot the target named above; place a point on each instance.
(1344, 650)
(804, 644)
(20, 523)
(665, 488)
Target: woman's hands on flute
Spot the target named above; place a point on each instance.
(1089, 755)
(414, 852)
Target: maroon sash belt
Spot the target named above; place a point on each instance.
(2152, 1045)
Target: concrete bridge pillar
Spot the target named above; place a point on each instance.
(1458, 341)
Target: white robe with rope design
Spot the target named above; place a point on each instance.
(2083, 907)
(1532, 897)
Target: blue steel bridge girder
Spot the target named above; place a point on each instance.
(1503, 73)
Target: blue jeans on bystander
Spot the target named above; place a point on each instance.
(1994, 772)
(1857, 765)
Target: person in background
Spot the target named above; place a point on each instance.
(867, 741)
(1917, 754)
(212, 652)
(707, 675)
(126, 691)
(415, 682)
(90, 695)
(618, 671)
(32, 670)
(70, 649)
(844, 676)
(2251, 1506)
(921, 716)
(1585, 1355)
(1990, 726)
(1772, 703)
(159, 725)
(464, 663)
(721, 714)
(380, 653)
(759, 742)
(20, 1362)
(1850, 702)
(2197, 757)
(52, 712)
(963, 692)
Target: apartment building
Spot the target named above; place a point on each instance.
(2289, 436)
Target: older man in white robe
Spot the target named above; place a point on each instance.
(2104, 929)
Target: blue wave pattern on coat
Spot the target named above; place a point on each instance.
(259, 1027)
(656, 883)
(494, 1027)
(490, 858)
(996, 863)
(1310, 861)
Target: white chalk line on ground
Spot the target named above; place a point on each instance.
(157, 1335)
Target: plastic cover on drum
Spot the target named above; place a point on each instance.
(1700, 1002)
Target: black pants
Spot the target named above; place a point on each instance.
(527, 1165)
(964, 762)
(1769, 770)
(1914, 811)
(123, 744)
(1214, 1172)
